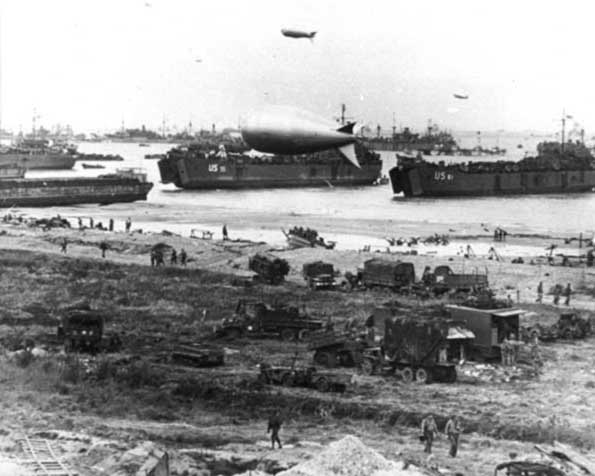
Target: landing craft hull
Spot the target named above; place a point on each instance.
(203, 174)
(428, 181)
(42, 161)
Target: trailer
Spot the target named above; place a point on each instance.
(490, 326)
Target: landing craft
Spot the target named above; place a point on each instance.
(461, 96)
(298, 34)
(283, 130)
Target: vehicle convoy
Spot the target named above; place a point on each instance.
(417, 348)
(257, 319)
(82, 330)
(319, 275)
(308, 377)
(444, 279)
(269, 268)
(557, 168)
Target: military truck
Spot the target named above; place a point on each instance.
(395, 275)
(269, 268)
(257, 319)
(334, 348)
(444, 279)
(569, 326)
(417, 350)
(319, 275)
(308, 377)
(82, 330)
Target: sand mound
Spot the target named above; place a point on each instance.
(350, 457)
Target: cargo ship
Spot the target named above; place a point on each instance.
(125, 185)
(196, 167)
(38, 154)
(557, 168)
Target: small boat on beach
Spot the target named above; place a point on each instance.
(93, 166)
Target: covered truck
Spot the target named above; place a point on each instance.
(269, 268)
(395, 275)
(319, 275)
(444, 279)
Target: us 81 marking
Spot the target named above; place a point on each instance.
(443, 177)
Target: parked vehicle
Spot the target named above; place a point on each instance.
(395, 275)
(270, 269)
(257, 319)
(444, 279)
(301, 377)
(319, 275)
(82, 330)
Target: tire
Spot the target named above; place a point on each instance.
(407, 375)
(322, 384)
(326, 359)
(287, 380)
(423, 376)
(288, 334)
(367, 367)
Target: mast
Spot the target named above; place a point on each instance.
(563, 128)
(343, 107)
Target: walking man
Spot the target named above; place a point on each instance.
(174, 257)
(453, 430)
(539, 292)
(183, 257)
(274, 426)
(567, 293)
(429, 431)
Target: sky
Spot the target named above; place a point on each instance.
(97, 63)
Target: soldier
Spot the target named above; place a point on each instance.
(567, 293)
(153, 258)
(80, 220)
(224, 232)
(274, 426)
(556, 294)
(429, 431)
(103, 246)
(539, 292)
(128, 224)
(453, 430)
(183, 257)
(505, 351)
(64, 245)
(174, 257)
(91, 222)
(111, 224)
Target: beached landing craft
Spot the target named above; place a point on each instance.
(557, 168)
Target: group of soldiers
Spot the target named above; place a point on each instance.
(558, 291)
(157, 257)
(100, 226)
(452, 430)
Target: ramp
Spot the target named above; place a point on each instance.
(39, 459)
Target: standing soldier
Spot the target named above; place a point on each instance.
(80, 220)
(91, 223)
(539, 292)
(453, 430)
(183, 257)
(103, 246)
(64, 245)
(111, 224)
(556, 294)
(128, 224)
(567, 293)
(174, 257)
(505, 351)
(429, 431)
(274, 426)
(224, 232)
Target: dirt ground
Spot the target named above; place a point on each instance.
(215, 419)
